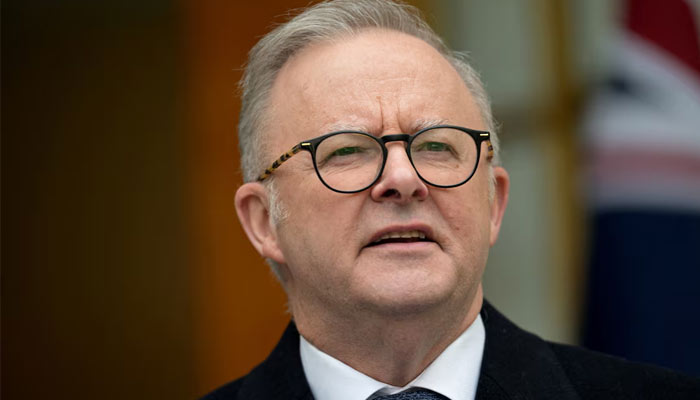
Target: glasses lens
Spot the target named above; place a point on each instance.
(444, 156)
(348, 161)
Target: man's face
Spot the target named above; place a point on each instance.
(381, 82)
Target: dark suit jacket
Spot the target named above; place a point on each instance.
(516, 365)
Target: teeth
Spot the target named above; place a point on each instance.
(402, 235)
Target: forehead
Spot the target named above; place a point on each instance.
(378, 81)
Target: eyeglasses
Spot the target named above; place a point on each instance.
(443, 156)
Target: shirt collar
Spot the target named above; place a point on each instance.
(454, 373)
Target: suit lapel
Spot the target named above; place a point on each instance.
(518, 365)
(281, 375)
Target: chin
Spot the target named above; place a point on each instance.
(405, 299)
(402, 309)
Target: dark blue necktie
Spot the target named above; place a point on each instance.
(419, 394)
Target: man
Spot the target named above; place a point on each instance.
(379, 220)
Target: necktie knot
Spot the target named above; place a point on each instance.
(419, 394)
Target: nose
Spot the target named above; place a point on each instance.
(399, 182)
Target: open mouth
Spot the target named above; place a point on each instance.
(401, 237)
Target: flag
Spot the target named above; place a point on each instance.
(642, 165)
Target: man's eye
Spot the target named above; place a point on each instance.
(434, 146)
(346, 151)
(344, 156)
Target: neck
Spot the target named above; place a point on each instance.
(391, 350)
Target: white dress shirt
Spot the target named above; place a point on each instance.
(454, 373)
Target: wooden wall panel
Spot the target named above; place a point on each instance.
(239, 308)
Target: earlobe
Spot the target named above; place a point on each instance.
(252, 209)
(499, 202)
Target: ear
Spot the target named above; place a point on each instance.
(252, 208)
(499, 202)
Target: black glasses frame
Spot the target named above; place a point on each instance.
(312, 144)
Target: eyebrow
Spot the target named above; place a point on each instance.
(424, 123)
(346, 127)
(416, 125)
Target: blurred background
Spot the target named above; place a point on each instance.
(125, 273)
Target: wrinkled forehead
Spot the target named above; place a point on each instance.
(376, 81)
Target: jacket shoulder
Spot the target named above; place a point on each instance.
(226, 392)
(520, 365)
(280, 376)
(597, 375)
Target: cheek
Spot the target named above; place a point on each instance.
(469, 225)
(467, 216)
(321, 222)
(319, 240)
(470, 228)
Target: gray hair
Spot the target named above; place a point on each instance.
(328, 21)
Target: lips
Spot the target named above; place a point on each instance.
(401, 235)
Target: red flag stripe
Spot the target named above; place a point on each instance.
(670, 25)
(609, 162)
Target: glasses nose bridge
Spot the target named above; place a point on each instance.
(399, 137)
